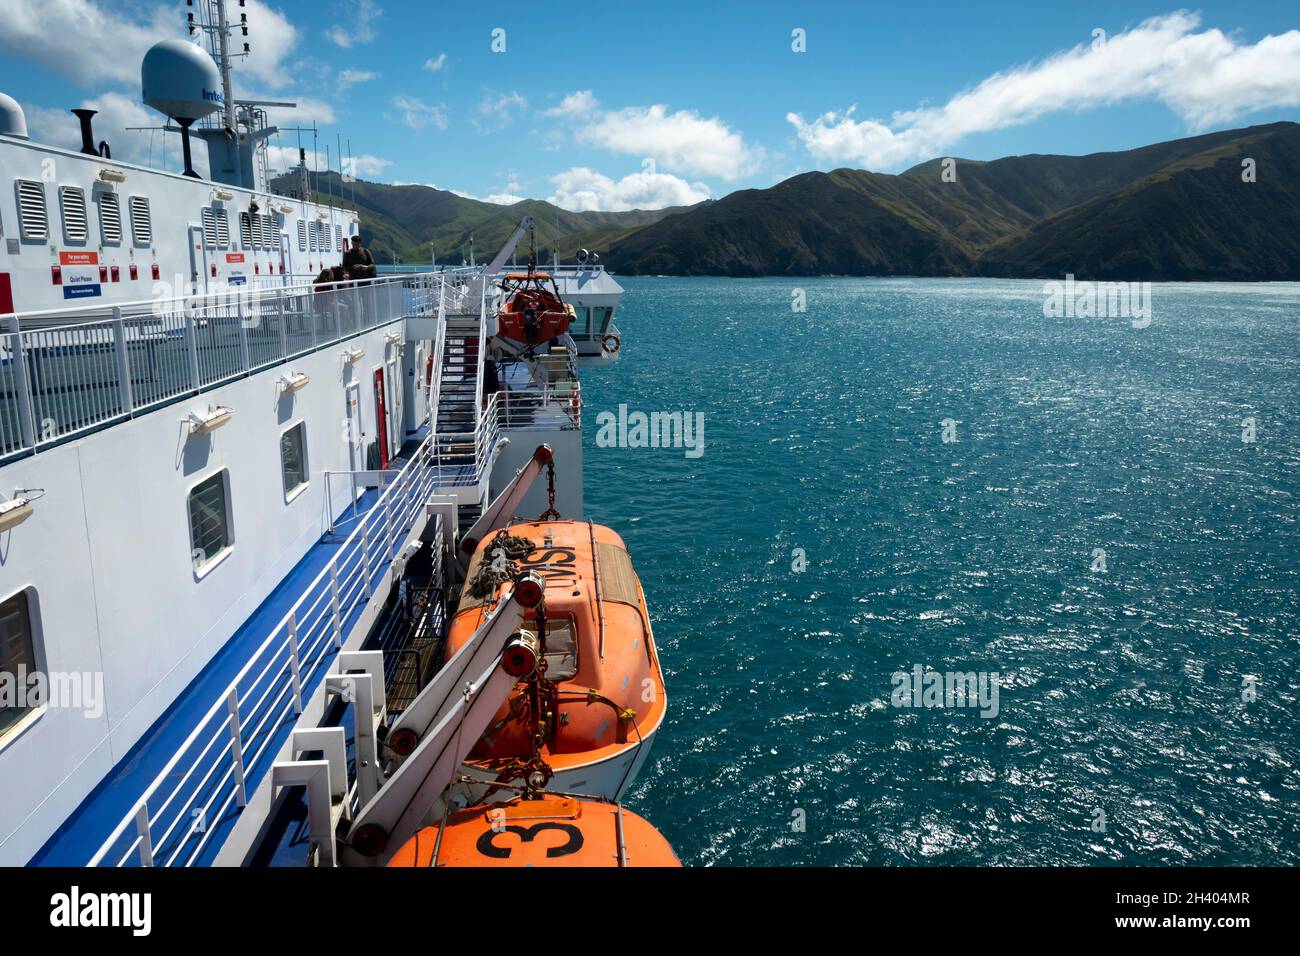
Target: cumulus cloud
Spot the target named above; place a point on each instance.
(350, 78)
(581, 189)
(1205, 77)
(498, 110)
(417, 114)
(678, 140)
(116, 114)
(436, 64)
(93, 42)
(357, 24)
(283, 158)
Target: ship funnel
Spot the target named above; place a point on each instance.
(12, 121)
(87, 133)
(180, 80)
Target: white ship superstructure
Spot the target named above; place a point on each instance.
(232, 500)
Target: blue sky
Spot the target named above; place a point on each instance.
(617, 105)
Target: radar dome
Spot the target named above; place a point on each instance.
(180, 80)
(12, 120)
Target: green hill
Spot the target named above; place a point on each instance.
(414, 222)
(1176, 210)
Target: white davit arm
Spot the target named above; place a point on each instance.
(503, 507)
(447, 719)
(492, 268)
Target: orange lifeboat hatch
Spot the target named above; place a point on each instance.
(552, 831)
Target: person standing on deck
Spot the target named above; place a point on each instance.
(358, 263)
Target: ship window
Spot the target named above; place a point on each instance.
(209, 520)
(293, 458)
(302, 235)
(72, 207)
(141, 223)
(17, 659)
(33, 220)
(561, 649)
(600, 320)
(581, 325)
(209, 227)
(110, 218)
(223, 228)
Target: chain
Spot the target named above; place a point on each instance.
(550, 513)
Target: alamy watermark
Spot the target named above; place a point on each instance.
(925, 687)
(1097, 300)
(22, 689)
(651, 430)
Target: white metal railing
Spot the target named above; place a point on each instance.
(209, 778)
(65, 372)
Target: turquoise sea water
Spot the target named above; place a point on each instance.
(1120, 691)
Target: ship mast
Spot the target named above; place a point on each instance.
(223, 62)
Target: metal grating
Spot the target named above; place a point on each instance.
(32, 216)
(209, 227)
(72, 208)
(110, 217)
(141, 222)
(223, 228)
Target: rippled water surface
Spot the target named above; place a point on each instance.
(1121, 692)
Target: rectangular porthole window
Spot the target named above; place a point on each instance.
(209, 505)
(293, 460)
(17, 660)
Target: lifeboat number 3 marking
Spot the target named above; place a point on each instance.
(486, 846)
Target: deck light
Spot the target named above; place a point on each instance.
(14, 511)
(294, 382)
(352, 355)
(201, 423)
(107, 175)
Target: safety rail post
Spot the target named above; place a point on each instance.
(284, 331)
(142, 833)
(22, 386)
(237, 748)
(295, 665)
(365, 559)
(243, 332)
(192, 345)
(123, 364)
(334, 603)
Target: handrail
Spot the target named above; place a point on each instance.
(350, 572)
(61, 380)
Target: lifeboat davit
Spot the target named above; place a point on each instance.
(590, 681)
(550, 830)
(532, 310)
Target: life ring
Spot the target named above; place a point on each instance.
(611, 347)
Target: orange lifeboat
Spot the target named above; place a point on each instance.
(591, 693)
(533, 311)
(546, 830)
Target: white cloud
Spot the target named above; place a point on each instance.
(1204, 77)
(435, 64)
(283, 158)
(497, 111)
(117, 112)
(358, 25)
(93, 42)
(679, 140)
(581, 189)
(417, 114)
(350, 78)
